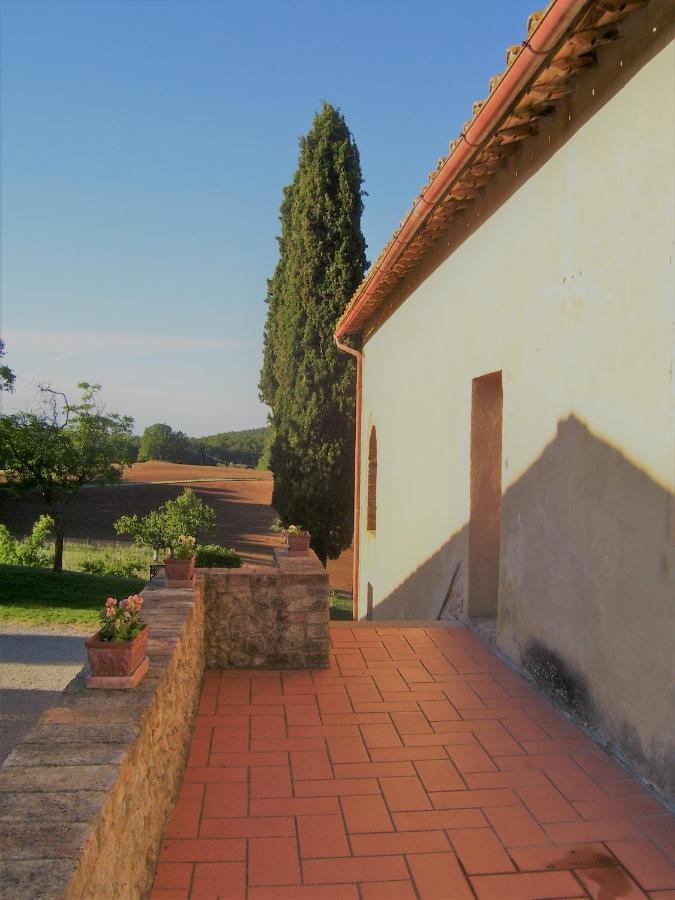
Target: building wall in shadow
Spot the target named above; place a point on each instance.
(587, 581)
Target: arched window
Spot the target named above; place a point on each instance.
(371, 515)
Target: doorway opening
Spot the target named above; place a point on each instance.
(486, 495)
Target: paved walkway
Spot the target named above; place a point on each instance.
(418, 766)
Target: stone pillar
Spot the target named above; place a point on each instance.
(268, 618)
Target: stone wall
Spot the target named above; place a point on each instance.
(267, 618)
(84, 799)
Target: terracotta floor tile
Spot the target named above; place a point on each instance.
(337, 787)
(380, 736)
(310, 765)
(404, 794)
(503, 779)
(388, 890)
(526, 886)
(477, 799)
(366, 814)
(547, 804)
(622, 808)
(273, 860)
(575, 785)
(305, 892)
(438, 710)
(373, 770)
(198, 754)
(268, 727)
(191, 791)
(403, 772)
(472, 759)
(204, 774)
(480, 851)
(248, 759)
(225, 801)
(661, 829)
(203, 850)
(354, 869)
(219, 881)
(574, 856)
(583, 832)
(184, 821)
(439, 876)
(609, 881)
(411, 723)
(296, 806)
(394, 754)
(646, 863)
(286, 745)
(433, 820)
(303, 715)
(173, 875)
(347, 749)
(274, 781)
(439, 775)
(322, 836)
(399, 842)
(516, 827)
(273, 826)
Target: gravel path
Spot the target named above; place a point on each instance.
(35, 666)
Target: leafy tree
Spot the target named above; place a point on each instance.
(7, 377)
(186, 515)
(161, 442)
(305, 380)
(60, 447)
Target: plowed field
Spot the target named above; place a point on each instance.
(240, 497)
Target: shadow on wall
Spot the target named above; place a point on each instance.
(587, 579)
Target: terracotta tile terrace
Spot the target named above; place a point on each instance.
(418, 766)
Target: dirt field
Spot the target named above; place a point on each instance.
(240, 497)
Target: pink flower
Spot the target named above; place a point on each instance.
(110, 601)
(110, 612)
(124, 604)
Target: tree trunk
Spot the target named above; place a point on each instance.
(58, 548)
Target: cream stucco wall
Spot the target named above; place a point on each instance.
(568, 289)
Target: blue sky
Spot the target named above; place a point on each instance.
(144, 148)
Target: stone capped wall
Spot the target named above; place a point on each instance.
(267, 618)
(85, 797)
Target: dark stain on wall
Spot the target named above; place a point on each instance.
(565, 685)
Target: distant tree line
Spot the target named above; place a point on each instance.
(240, 448)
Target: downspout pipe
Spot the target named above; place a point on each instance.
(560, 15)
(358, 356)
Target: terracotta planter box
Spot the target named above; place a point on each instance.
(117, 664)
(298, 544)
(179, 572)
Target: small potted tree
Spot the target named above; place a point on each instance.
(118, 651)
(297, 540)
(179, 565)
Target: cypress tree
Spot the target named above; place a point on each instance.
(305, 380)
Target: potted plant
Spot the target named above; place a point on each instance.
(118, 651)
(179, 566)
(297, 539)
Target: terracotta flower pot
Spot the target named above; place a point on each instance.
(298, 543)
(179, 572)
(117, 664)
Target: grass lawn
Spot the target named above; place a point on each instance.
(340, 605)
(41, 597)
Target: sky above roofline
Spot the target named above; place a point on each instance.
(144, 151)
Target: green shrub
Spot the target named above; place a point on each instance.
(210, 556)
(109, 564)
(31, 550)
